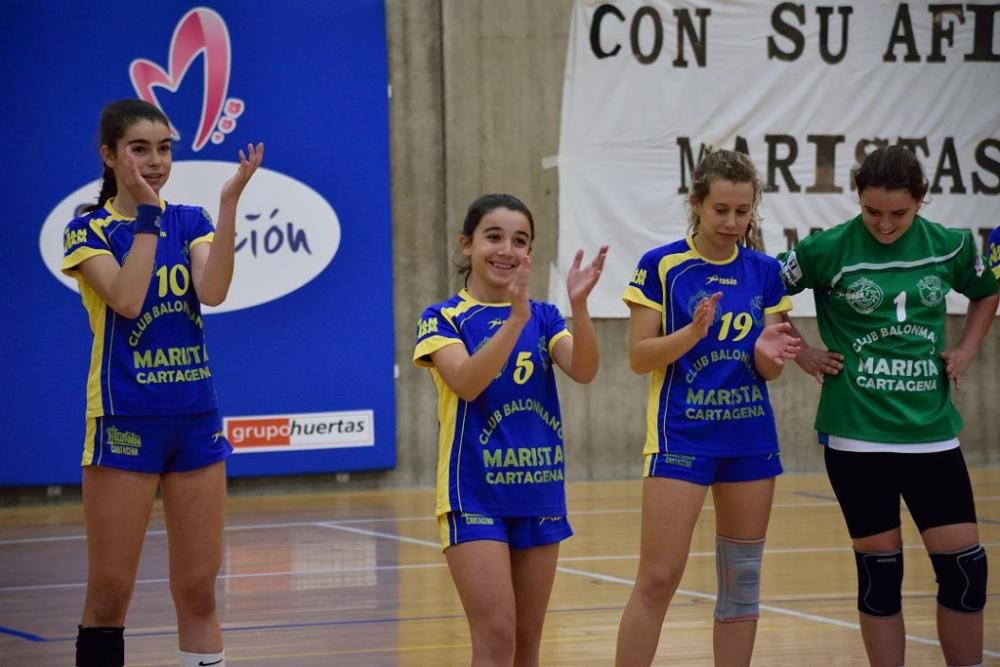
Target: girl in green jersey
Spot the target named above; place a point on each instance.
(885, 413)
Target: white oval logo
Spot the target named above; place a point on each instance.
(286, 232)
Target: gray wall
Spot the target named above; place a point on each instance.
(477, 88)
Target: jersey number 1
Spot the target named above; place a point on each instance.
(900, 302)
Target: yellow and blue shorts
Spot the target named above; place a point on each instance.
(520, 532)
(161, 444)
(707, 470)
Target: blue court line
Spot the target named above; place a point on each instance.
(21, 635)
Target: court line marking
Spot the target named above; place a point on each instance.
(697, 594)
(376, 520)
(418, 566)
(339, 526)
(21, 635)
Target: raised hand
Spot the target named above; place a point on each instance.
(819, 363)
(704, 314)
(580, 282)
(518, 289)
(777, 344)
(132, 180)
(249, 162)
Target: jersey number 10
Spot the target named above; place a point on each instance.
(175, 277)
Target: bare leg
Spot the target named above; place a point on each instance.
(482, 575)
(116, 507)
(742, 511)
(194, 505)
(533, 571)
(961, 634)
(670, 510)
(884, 637)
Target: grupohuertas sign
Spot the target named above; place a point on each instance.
(806, 89)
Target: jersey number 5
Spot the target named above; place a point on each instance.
(524, 367)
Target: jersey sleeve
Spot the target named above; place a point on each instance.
(775, 295)
(798, 268)
(645, 288)
(971, 276)
(434, 331)
(555, 326)
(203, 231)
(81, 241)
(993, 252)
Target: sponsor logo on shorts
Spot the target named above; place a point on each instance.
(552, 519)
(121, 442)
(319, 430)
(477, 520)
(680, 460)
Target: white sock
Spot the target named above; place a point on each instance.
(202, 659)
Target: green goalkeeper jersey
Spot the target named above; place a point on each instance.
(883, 308)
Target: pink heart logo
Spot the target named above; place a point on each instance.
(200, 32)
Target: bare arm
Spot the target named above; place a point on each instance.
(124, 287)
(212, 263)
(578, 356)
(774, 345)
(978, 319)
(813, 360)
(468, 375)
(649, 349)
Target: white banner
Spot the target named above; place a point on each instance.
(807, 89)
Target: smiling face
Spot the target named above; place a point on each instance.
(723, 217)
(501, 240)
(888, 214)
(149, 142)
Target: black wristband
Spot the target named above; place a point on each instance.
(147, 219)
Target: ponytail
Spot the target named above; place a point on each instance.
(109, 188)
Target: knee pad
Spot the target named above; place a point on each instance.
(961, 578)
(100, 647)
(880, 582)
(737, 564)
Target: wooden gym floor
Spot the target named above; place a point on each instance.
(357, 578)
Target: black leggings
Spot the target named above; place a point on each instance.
(868, 485)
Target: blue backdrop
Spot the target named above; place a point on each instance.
(310, 80)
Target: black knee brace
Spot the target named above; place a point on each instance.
(961, 578)
(100, 647)
(880, 583)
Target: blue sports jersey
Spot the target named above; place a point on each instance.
(157, 363)
(501, 454)
(993, 252)
(711, 401)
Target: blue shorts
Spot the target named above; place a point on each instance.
(707, 470)
(174, 443)
(520, 532)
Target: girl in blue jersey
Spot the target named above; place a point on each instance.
(706, 324)
(501, 503)
(993, 252)
(144, 267)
